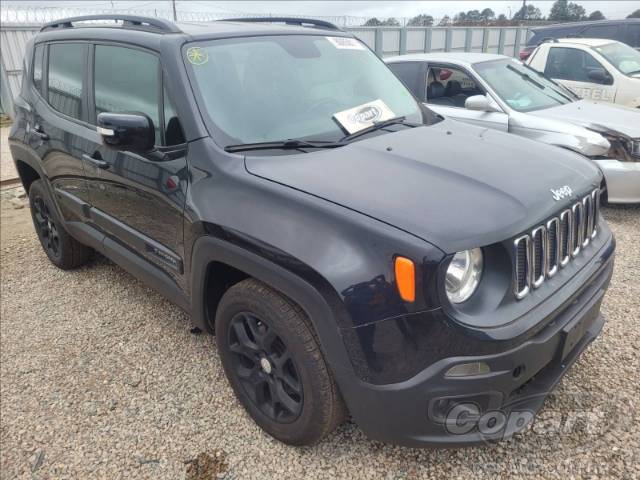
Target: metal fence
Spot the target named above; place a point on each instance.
(385, 41)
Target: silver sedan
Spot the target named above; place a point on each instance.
(500, 92)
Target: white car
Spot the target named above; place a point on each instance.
(594, 68)
(499, 92)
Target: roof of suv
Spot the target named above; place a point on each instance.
(460, 58)
(213, 29)
(152, 32)
(578, 25)
(587, 42)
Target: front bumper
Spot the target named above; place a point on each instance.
(623, 180)
(430, 409)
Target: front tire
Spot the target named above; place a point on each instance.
(63, 250)
(274, 364)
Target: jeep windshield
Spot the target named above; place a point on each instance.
(521, 87)
(274, 89)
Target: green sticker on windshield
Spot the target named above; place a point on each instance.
(197, 56)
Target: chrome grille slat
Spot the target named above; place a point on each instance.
(595, 201)
(538, 255)
(549, 247)
(576, 232)
(566, 236)
(522, 266)
(553, 246)
(586, 221)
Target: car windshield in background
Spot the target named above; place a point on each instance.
(274, 88)
(521, 87)
(621, 56)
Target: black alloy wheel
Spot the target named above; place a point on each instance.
(265, 368)
(46, 225)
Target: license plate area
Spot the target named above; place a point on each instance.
(573, 332)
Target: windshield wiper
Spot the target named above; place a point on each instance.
(540, 86)
(379, 125)
(291, 144)
(528, 78)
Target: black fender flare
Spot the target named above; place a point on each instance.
(209, 249)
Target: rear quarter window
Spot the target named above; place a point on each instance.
(36, 76)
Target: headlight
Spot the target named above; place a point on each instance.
(463, 275)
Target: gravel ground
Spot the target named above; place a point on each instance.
(102, 378)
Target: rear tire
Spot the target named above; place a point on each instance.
(274, 364)
(63, 250)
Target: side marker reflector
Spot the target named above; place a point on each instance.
(406, 279)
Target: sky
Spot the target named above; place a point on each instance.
(399, 9)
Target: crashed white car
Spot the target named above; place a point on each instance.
(593, 68)
(500, 92)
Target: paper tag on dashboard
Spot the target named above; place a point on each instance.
(345, 43)
(358, 118)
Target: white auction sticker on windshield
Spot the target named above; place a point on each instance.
(358, 118)
(345, 43)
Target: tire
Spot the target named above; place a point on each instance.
(274, 364)
(63, 250)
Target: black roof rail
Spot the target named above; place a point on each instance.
(288, 20)
(128, 21)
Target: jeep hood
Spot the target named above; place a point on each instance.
(597, 116)
(453, 185)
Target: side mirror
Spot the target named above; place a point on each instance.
(598, 75)
(480, 103)
(127, 131)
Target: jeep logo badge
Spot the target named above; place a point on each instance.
(562, 192)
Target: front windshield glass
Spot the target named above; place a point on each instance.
(273, 88)
(621, 56)
(521, 87)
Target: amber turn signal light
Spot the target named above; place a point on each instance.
(406, 279)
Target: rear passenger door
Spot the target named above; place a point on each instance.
(59, 131)
(138, 198)
(572, 66)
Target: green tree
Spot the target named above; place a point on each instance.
(564, 11)
(445, 21)
(421, 21)
(502, 19)
(372, 22)
(596, 15)
(576, 12)
(390, 22)
(487, 14)
(473, 16)
(530, 12)
(635, 14)
(460, 18)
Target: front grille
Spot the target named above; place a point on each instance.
(540, 254)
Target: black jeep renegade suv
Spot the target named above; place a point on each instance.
(353, 252)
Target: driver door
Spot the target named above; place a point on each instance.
(448, 88)
(571, 67)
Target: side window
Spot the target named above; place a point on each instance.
(633, 35)
(173, 134)
(450, 87)
(38, 58)
(409, 74)
(612, 32)
(570, 64)
(65, 78)
(127, 80)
